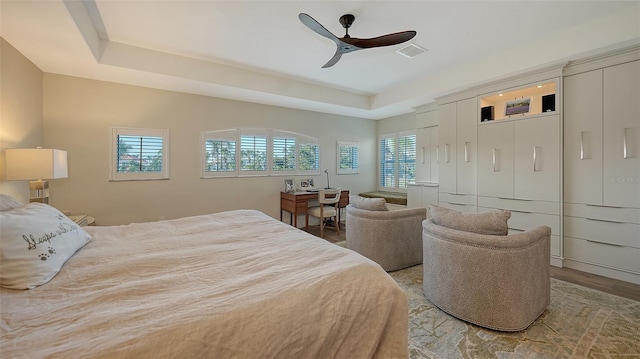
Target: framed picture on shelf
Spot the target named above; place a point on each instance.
(517, 106)
(289, 185)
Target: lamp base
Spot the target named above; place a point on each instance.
(39, 191)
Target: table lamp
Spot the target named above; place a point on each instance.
(36, 165)
(327, 172)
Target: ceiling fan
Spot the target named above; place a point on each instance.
(347, 43)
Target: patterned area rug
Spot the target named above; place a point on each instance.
(579, 323)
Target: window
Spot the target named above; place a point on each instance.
(139, 154)
(242, 152)
(308, 155)
(220, 154)
(348, 157)
(253, 153)
(284, 153)
(397, 161)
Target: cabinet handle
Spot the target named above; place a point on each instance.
(458, 204)
(517, 229)
(513, 210)
(535, 162)
(516, 199)
(446, 153)
(625, 153)
(466, 151)
(604, 220)
(582, 145)
(494, 160)
(605, 243)
(601, 205)
(438, 154)
(422, 154)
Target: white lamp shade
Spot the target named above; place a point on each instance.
(35, 164)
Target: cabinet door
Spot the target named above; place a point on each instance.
(423, 163)
(466, 155)
(447, 147)
(495, 159)
(414, 196)
(434, 154)
(537, 159)
(622, 135)
(583, 138)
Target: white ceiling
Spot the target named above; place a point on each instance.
(259, 51)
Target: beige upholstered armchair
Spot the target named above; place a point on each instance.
(392, 239)
(500, 282)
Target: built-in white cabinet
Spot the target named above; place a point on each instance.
(427, 147)
(422, 195)
(602, 171)
(457, 147)
(520, 159)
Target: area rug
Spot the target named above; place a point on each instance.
(579, 323)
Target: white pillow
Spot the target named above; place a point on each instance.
(370, 204)
(7, 202)
(35, 242)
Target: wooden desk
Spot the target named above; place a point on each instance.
(298, 203)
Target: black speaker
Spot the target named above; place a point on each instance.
(549, 103)
(486, 114)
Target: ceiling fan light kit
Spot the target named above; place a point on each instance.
(347, 43)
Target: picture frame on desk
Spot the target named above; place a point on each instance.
(289, 185)
(306, 184)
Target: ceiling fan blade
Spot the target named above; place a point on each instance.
(385, 40)
(334, 59)
(315, 26)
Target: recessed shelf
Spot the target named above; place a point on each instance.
(534, 93)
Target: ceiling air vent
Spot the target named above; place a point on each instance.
(411, 50)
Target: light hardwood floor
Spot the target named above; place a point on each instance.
(607, 285)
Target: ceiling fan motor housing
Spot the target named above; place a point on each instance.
(346, 20)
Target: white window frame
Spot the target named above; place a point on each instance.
(237, 134)
(224, 135)
(304, 140)
(138, 176)
(396, 172)
(283, 135)
(259, 133)
(354, 150)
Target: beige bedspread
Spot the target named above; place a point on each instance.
(236, 284)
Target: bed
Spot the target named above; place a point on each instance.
(236, 284)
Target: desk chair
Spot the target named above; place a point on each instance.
(328, 208)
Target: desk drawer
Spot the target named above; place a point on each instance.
(618, 257)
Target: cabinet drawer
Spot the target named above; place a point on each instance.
(619, 257)
(525, 221)
(623, 234)
(555, 242)
(617, 214)
(464, 208)
(455, 198)
(552, 208)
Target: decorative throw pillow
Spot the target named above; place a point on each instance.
(370, 204)
(7, 202)
(494, 222)
(35, 242)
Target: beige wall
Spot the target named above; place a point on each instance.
(20, 111)
(77, 116)
(400, 123)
